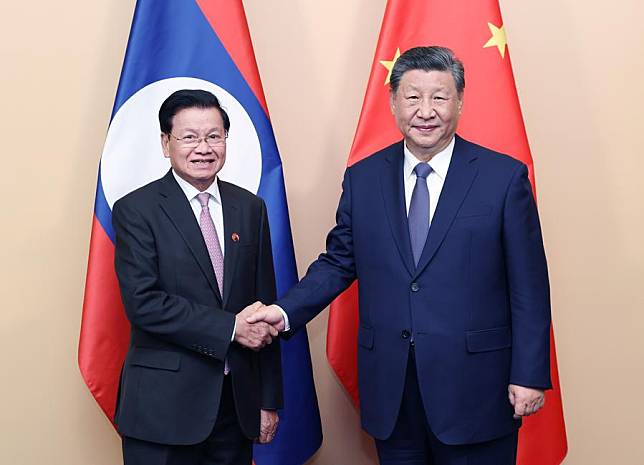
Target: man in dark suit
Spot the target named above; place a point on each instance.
(192, 252)
(444, 239)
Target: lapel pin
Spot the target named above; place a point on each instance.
(235, 237)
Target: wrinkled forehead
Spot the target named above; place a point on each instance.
(198, 117)
(422, 79)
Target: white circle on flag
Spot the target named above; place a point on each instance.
(132, 156)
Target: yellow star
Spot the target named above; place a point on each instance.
(498, 39)
(390, 65)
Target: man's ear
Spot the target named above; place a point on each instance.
(165, 144)
(392, 104)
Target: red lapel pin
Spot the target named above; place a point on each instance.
(235, 237)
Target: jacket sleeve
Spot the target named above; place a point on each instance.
(270, 357)
(329, 275)
(175, 319)
(529, 291)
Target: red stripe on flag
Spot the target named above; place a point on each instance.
(491, 117)
(228, 20)
(105, 331)
(542, 438)
(341, 339)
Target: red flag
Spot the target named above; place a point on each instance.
(491, 117)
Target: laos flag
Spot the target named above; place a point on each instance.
(190, 44)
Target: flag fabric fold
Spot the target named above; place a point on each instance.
(491, 117)
(191, 44)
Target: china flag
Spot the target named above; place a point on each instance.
(491, 117)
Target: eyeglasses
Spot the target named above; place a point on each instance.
(191, 141)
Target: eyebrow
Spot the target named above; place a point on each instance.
(210, 131)
(440, 88)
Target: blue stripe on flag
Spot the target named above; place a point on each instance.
(102, 209)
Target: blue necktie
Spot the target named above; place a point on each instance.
(418, 217)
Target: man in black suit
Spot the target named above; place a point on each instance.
(192, 252)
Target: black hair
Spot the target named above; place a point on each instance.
(432, 58)
(188, 98)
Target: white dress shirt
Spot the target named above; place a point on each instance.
(214, 206)
(439, 164)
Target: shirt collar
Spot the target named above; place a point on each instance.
(439, 162)
(191, 191)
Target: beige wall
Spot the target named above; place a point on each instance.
(578, 66)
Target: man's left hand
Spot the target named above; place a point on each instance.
(525, 401)
(268, 426)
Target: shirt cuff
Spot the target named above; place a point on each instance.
(287, 325)
(232, 338)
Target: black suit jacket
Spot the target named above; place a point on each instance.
(181, 327)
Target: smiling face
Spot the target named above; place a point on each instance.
(427, 107)
(197, 165)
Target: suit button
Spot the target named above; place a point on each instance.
(415, 287)
(405, 334)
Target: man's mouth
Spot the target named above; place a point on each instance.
(425, 127)
(202, 162)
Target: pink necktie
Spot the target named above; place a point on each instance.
(214, 248)
(212, 240)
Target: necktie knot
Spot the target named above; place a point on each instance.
(422, 170)
(203, 199)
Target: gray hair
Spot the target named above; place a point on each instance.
(432, 58)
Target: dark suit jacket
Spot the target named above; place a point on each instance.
(181, 329)
(477, 305)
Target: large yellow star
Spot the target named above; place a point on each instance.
(498, 39)
(390, 65)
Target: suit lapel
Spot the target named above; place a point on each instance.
(393, 192)
(175, 204)
(460, 175)
(232, 226)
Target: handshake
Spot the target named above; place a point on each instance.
(257, 325)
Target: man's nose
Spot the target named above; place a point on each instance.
(203, 146)
(426, 108)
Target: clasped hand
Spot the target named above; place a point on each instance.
(257, 325)
(525, 401)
